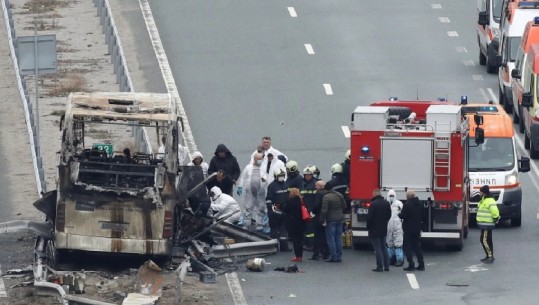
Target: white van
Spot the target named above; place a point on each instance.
(489, 14)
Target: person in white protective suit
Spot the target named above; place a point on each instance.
(197, 159)
(252, 189)
(224, 205)
(394, 231)
(269, 165)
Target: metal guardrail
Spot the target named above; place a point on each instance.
(25, 98)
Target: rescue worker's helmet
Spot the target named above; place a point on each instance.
(292, 166)
(278, 172)
(308, 170)
(315, 170)
(336, 169)
(347, 155)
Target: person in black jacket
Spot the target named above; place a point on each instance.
(224, 160)
(339, 183)
(294, 222)
(320, 245)
(293, 178)
(377, 219)
(411, 227)
(223, 181)
(276, 196)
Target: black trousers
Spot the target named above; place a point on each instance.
(412, 245)
(320, 247)
(297, 242)
(486, 242)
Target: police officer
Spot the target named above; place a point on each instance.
(487, 217)
(276, 196)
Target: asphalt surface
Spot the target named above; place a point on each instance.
(242, 68)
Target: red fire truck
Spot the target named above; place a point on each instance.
(412, 145)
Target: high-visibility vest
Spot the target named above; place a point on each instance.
(487, 210)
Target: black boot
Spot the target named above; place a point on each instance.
(411, 267)
(420, 266)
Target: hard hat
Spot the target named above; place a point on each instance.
(336, 169)
(347, 155)
(278, 172)
(308, 170)
(315, 170)
(292, 166)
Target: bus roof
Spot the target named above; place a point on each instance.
(495, 124)
(122, 106)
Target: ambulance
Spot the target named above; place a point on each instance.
(489, 14)
(519, 83)
(494, 162)
(516, 16)
(529, 105)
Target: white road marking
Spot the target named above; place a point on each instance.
(436, 6)
(412, 280)
(476, 268)
(309, 49)
(235, 288)
(477, 77)
(468, 62)
(492, 95)
(327, 88)
(444, 19)
(484, 94)
(346, 131)
(452, 34)
(461, 50)
(292, 12)
(3, 293)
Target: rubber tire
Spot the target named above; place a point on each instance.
(534, 153)
(490, 68)
(465, 232)
(402, 112)
(521, 126)
(482, 58)
(515, 117)
(526, 141)
(516, 221)
(501, 96)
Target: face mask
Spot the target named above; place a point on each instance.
(391, 199)
(280, 179)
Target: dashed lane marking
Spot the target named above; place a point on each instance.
(235, 289)
(309, 49)
(492, 95)
(436, 6)
(461, 49)
(3, 293)
(327, 88)
(477, 77)
(346, 131)
(292, 12)
(412, 280)
(444, 19)
(452, 34)
(484, 94)
(468, 62)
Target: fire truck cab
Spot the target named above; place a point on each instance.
(425, 151)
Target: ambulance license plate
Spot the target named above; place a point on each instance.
(473, 210)
(362, 211)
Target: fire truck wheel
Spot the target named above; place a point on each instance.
(516, 221)
(402, 112)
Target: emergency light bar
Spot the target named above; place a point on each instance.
(528, 4)
(536, 20)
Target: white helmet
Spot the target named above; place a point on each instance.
(308, 170)
(215, 192)
(347, 155)
(278, 172)
(336, 169)
(292, 166)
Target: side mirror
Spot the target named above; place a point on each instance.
(483, 18)
(479, 135)
(527, 99)
(515, 73)
(524, 164)
(478, 119)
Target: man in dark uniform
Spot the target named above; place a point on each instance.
(276, 196)
(377, 219)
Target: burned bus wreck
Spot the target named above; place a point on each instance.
(115, 194)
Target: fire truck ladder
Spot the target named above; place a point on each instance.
(442, 157)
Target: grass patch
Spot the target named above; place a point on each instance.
(42, 6)
(58, 112)
(72, 83)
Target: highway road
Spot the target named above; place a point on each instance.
(244, 67)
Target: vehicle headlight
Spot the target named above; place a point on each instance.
(511, 179)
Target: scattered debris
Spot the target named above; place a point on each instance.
(139, 299)
(207, 277)
(256, 264)
(456, 284)
(150, 279)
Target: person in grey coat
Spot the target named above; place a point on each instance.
(332, 216)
